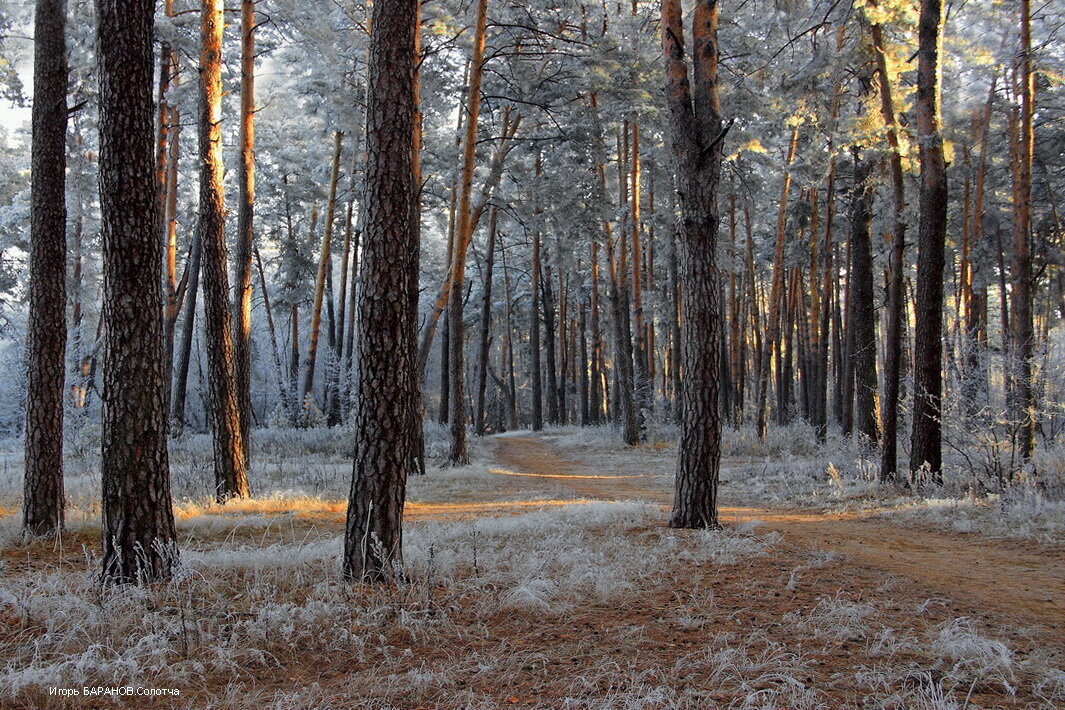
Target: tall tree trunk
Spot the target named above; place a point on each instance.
(925, 451)
(536, 370)
(893, 336)
(642, 375)
(862, 311)
(46, 339)
(387, 405)
(138, 519)
(458, 451)
(697, 132)
(596, 395)
(242, 262)
(1023, 406)
(231, 473)
(547, 300)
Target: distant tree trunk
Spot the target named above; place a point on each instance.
(188, 329)
(535, 368)
(642, 374)
(583, 366)
(138, 520)
(596, 395)
(1023, 406)
(925, 449)
(975, 390)
(46, 336)
(508, 349)
(282, 388)
(242, 262)
(324, 264)
(458, 450)
(776, 290)
(231, 473)
(697, 132)
(486, 322)
(862, 311)
(893, 336)
(547, 300)
(387, 406)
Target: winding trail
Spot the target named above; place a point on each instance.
(1016, 583)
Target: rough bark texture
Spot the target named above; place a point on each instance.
(386, 412)
(138, 520)
(695, 121)
(925, 450)
(242, 262)
(179, 392)
(230, 468)
(46, 336)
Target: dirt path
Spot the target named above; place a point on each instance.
(1019, 584)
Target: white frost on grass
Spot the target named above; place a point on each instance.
(242, 607)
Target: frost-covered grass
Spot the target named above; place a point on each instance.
(240, 608)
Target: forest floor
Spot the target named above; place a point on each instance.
(543, 576)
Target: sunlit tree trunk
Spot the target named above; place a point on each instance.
(231, 475)
(458, 451)
(46, 336)
(242, 261)
(1021, 320)
(138, 520)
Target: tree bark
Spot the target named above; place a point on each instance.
(925, 450)
(138, 520)
(230, 456)
(458, 450)
(387, 405)
(46, 336)
(696, 127)
(242, 262)
(1023, 406)
(893, 336)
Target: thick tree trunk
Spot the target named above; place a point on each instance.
(46, 336)
(231, 473)
(698, 135)
(242, 262)
(138, 519)
(387, 404)
(925, 451)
